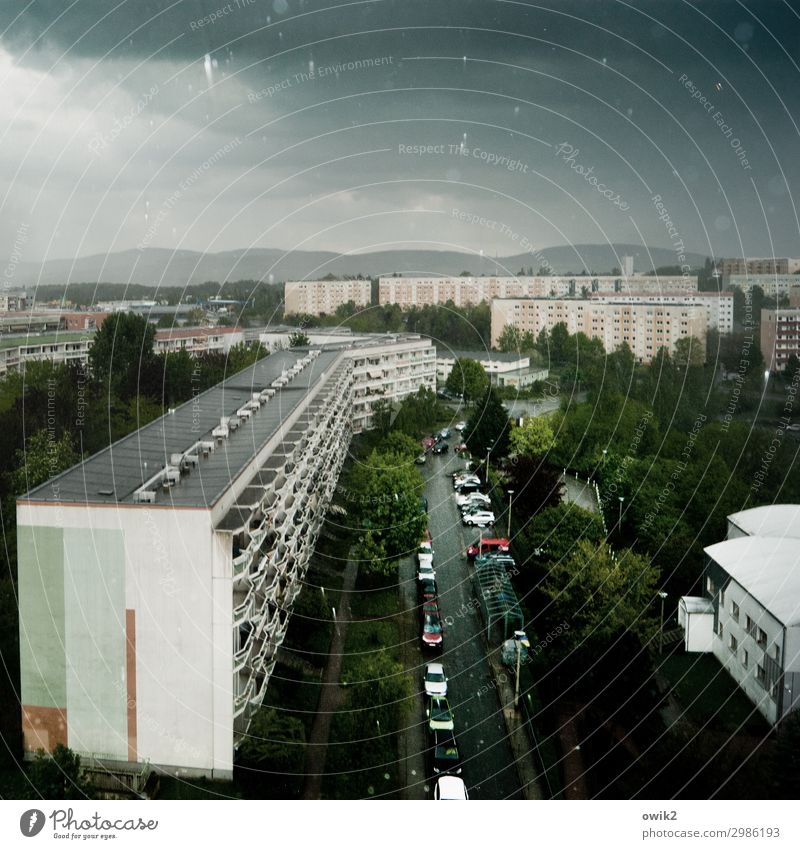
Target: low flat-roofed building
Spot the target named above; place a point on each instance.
(754, 584)
(197, 340)
(64, 347)
(503, 369)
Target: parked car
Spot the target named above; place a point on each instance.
(449, 788)
(444, 433)
(468, 487)
(464, 498)
(461, 448)
(441, 448)
(480, 519)
(469, 509)
(487, 545)
(427, 589)
(496, 559)
(440, 717)
(421, 460)
(432, 627)
(464, 479)
(435, 680)
(428, 443)
(445, 755)
(425, 570)
(460, 426)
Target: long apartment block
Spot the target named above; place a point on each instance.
(157, 577)
(410, 292)
(645, 327)
(315, 297)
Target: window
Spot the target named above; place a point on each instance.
(745, 659)
(761, 639)
(734, 611)
(720, 630)
(749, 626)
(733, 644)
(761, 675)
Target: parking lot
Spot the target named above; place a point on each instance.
(488, 765)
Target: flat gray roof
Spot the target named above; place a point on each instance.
(112, 475)
(770, 520)
(498, 356)
(768, 568)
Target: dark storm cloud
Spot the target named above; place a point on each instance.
(693, 102)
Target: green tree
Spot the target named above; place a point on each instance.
(401, 444)
(42, 458)
(166, 322)
(122, 348)
(59, 776)
(534, 439)
(689, 351)
(556, 531)
(468, 378)
(275, 742)
(792, 369)
(298, 339)
(600, 593)
(510, 339)
(385, 490)
(488, 426)
(381, 417)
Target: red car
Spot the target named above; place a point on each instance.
(428, 443)
(460, 448)
(488, 545)
(432, 628)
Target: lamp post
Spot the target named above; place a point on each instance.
(488, 452)
(662, 595)
(619, 522)
(605, 452)
(510, 502)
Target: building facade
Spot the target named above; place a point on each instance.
(156, 578)
(644, 327)
(772, 285)
(780, 336)
(759, 265)
(410, 292)
(718, 305)
(13, 302)
(315, 297)
(16, 352)
(197, 340)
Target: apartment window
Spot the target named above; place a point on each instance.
(749, 627)
(734, 611)
(733, 644)
(777, 654)
(720, 630)
(761, 675)
(761, 639)
(745, 659)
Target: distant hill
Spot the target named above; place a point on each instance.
(163, 267)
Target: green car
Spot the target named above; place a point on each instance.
(440, 717)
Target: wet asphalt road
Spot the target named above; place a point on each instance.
(489, 769)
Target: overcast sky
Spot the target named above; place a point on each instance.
(200, 125)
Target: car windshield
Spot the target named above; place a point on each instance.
(432, 625)
(446, 752)
(440, 711)
(436, 677)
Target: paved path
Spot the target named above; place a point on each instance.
(331, 695)
(578, 491)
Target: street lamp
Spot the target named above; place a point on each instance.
(662, 595)
(510, 501)
(605, 452)
(619, 523)
(488, 452)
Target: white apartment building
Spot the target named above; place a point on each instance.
(389, 368)
(718, 305)
(759, 265)
(197, 340)
(315, 297)
(753, 582)
(410, 292)
(13, 302)
(644, 327)
(780, 336)
(157, 577)
(772, 285)
(16, 351)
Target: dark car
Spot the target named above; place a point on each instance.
(427, 588)
(445, 757)
(441, 448)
